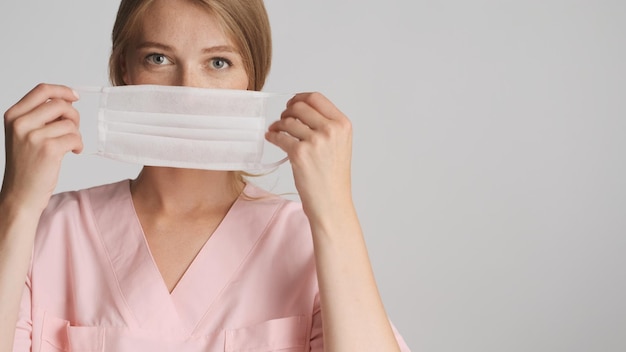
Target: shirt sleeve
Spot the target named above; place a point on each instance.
(403, 346)
(317, 336)
(24, 327)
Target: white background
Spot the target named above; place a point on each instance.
(489, 141)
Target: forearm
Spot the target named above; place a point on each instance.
(353, 314)
(17, 233)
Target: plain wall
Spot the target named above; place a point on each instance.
(489, 141)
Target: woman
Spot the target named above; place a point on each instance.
(185, 259)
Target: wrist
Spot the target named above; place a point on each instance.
(333, 221)
(16, 207)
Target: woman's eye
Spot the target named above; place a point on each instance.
(220, 63)
(157, 59)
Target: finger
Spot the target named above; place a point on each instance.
(62, 109)
(50, 135)
(319, 102)
(76, 143)
(55, 109)
(281, 140)
(70, 142)
(293, 127)
(304, 113)
(37, 96)
(53, 130)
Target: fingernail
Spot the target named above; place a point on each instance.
(76, 94)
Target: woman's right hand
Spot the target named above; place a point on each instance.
(39, 130)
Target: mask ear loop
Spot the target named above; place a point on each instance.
(89, 89)
(268, 168)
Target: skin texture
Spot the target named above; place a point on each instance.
(181, 44)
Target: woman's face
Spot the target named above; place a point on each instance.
(181, 44)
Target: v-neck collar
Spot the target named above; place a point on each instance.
(139, 280)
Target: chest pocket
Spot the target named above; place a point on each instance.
(58, 335)
(285, 335)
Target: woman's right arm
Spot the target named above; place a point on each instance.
(39, 130)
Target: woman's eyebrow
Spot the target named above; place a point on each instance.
(213, 49)
(220, 48)
(144, 45)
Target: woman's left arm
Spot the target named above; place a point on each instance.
(318, 140)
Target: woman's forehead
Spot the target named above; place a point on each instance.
(181, 23)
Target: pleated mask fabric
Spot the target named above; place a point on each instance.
(183, 127)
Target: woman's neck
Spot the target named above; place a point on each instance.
(175, 190)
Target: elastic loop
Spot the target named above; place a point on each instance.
(89, 89)
(271, 166)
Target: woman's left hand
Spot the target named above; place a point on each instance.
(317, 137)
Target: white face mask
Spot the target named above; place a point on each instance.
(184, 127)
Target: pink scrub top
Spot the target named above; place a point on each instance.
(94, 286)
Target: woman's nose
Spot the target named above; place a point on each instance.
(188, 77)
